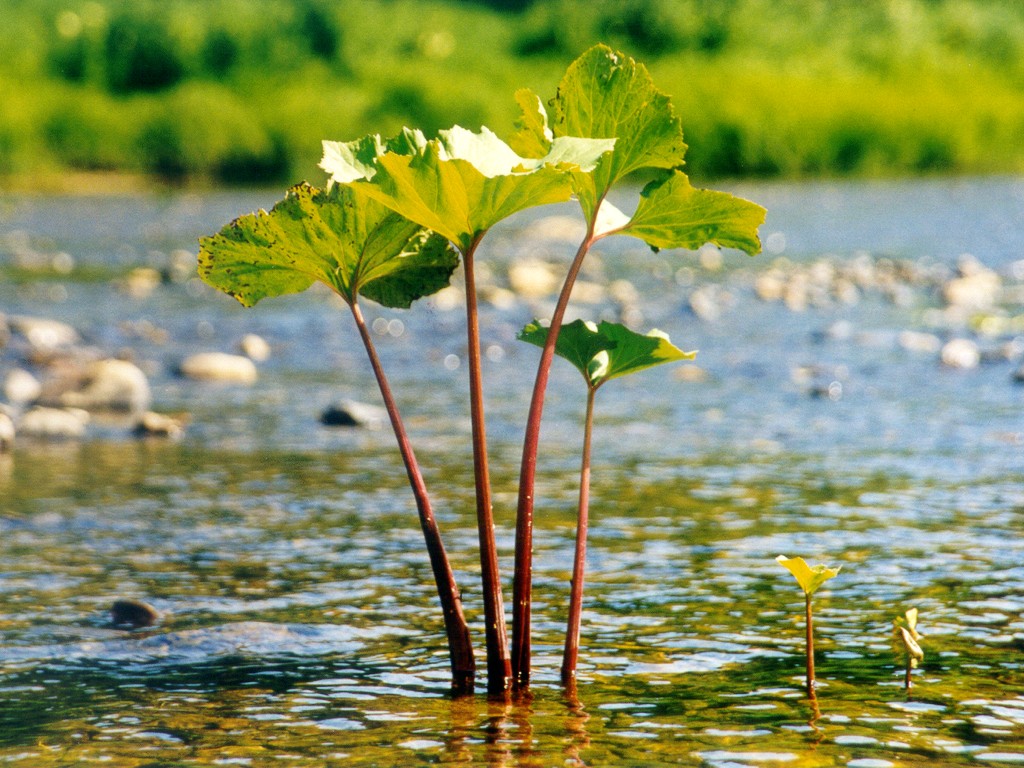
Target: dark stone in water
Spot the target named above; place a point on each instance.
(134, 613)
(349, 413)
(152, 424)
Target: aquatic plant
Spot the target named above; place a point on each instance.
(605, 94)
(810, 579)
(460, 185)
(356, 247)
(609, 122)
(905, 627)
(601, 353)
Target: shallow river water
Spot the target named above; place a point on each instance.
(300, 624)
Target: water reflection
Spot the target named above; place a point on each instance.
(576, 719)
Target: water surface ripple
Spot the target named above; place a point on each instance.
(299, 622)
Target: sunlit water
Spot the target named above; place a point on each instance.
(301, 625)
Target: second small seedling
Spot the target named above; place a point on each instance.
(809, 579)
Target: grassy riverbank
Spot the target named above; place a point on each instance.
(236, 91)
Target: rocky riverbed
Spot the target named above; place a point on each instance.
(59, 378)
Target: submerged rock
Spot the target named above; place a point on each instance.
(919, 341)
(976, 288)
(21, 387)
(110, 385)
(349, 413)
(133, 613)
(43, 334)
(960, 353)
(54, 423)
(197, 646)
(557, 228)
(219, 366)
(532, 278)
(152, 424)
(254, 347)
(140, 282)
(6, 432)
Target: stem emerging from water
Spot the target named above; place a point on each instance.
(572, 631)
(499, 664)
(810, 648)
(460, 647)
(523, 577)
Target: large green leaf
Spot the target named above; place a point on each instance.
(674, 214)
(347, 161)
(534, 137)
(341, 238)
(605, 94)
(461, 183)
(608, 350)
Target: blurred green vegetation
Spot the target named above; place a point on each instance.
(242, 91)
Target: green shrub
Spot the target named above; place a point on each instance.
(140, 55)
(764, 88)
(205, 130)
(89, 133)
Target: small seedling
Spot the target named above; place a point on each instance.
(906, 632)
(601, 353)
(809, 579)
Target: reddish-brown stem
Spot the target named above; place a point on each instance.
(460, 646)
(572, 630)
(810, 648)
(499, 663)
(523, 576)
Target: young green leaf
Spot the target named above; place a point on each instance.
(533, 137)
(605, 94)
(608, 350)
(674, 214)
(347, 161)
(911, 617)
(343, 239)
(809, 579)
(906, 627)
(461, 183)
(912, 647)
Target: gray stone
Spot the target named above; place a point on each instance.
(960, 353)
(919, 341)
(152, 424)
(6, 433)
(43, 334)
(21, 387)
(349, 413)
(54, 423)
(110, 385)
(219, 366)
(133, 613)
(532, 278)
(140, 282)
(254, 347)
(976, 288)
